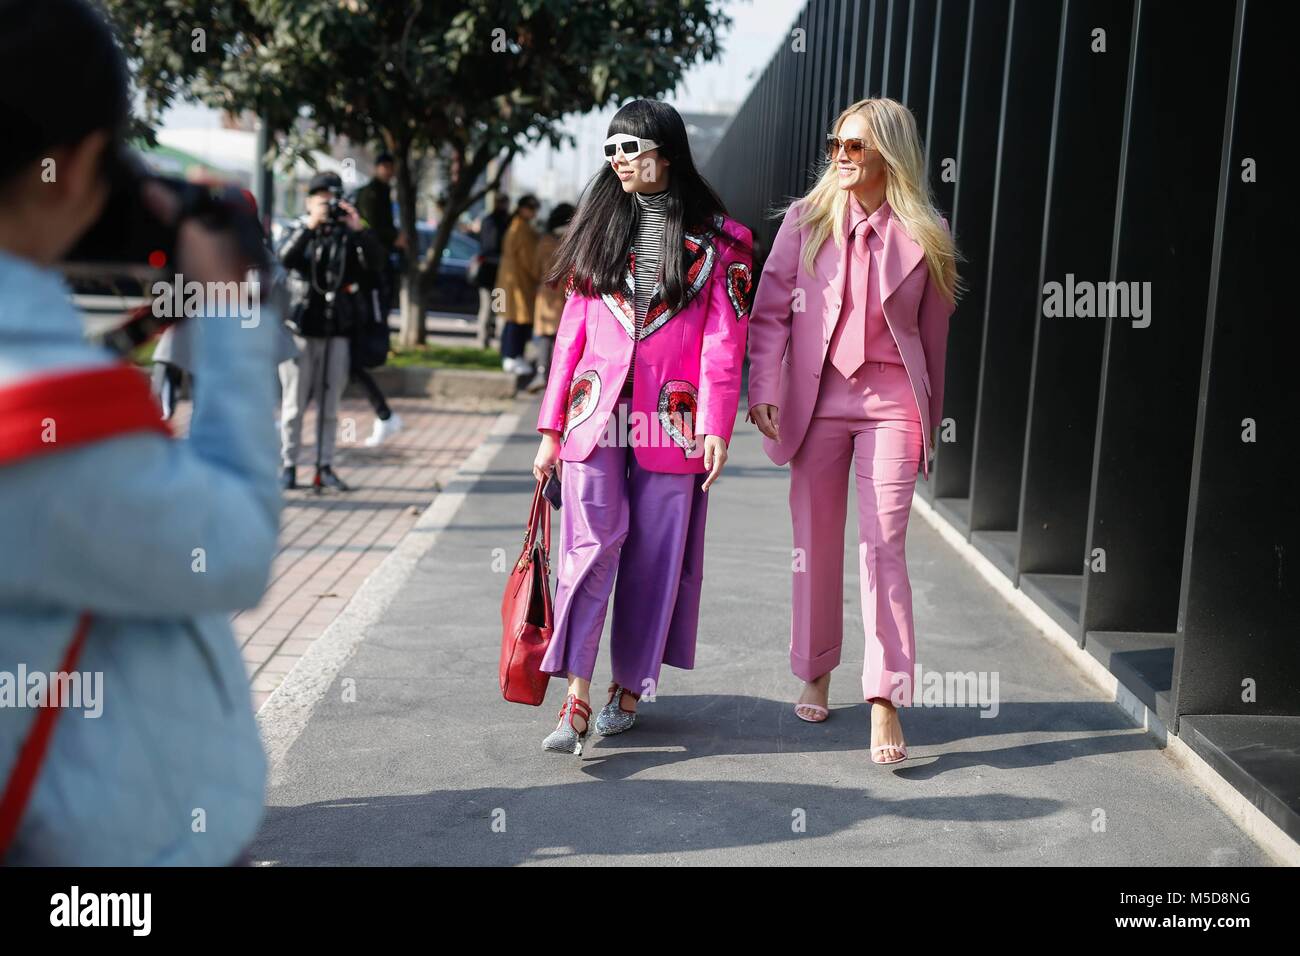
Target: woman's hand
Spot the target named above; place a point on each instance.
(764, 416)
(715, 456)
(548, 456)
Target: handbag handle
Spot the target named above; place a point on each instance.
(539, 513)
(544, 507)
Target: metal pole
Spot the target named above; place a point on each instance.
(263, 175)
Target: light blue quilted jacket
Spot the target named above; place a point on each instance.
(172, 771)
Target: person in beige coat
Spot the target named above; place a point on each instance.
(549, 304)
(517, 279)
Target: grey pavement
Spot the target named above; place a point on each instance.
(428, 765)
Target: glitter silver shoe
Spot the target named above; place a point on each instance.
(613, 719)
(565, 739)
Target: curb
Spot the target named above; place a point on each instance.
(1252, 821)
(284, 715)
(421, 381)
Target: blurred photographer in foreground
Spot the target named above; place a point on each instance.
(334, 265)
(122, 550)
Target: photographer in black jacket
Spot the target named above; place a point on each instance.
(334, 265)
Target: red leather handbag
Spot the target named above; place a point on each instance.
(526, 611)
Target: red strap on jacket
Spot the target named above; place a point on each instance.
(64, 409)
(18, 789)
(53, 413)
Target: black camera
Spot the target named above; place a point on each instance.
(335, 214)
(133, 244)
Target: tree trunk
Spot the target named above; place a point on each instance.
(411, 310)
(460, 189)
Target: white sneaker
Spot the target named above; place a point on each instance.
(384, 429)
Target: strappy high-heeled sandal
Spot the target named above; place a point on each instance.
(565, 738)
(816, 712)
(613, 719)
(819, 713)
(899, 747)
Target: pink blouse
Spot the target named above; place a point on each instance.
(879, 344)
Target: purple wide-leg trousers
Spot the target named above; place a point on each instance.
(640, 535)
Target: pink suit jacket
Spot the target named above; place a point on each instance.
(794, 315)
(688, 361)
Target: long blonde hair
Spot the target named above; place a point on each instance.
(894, 133)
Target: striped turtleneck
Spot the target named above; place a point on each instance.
(648, 244)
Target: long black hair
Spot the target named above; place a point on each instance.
(594, 248)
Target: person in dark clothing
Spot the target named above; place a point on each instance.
(375, 205)
(332, 260)
(491, 236)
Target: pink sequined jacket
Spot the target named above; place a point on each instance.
(688, 360)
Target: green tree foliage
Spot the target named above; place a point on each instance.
(469, 81)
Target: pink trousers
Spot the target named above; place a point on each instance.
(868, 423)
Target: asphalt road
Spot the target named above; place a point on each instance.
(428, 765)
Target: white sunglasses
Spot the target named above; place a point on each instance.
(630, 145)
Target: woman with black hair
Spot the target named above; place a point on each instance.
(639, 405)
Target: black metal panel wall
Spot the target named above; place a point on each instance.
(843, 56)
(858, 52)
(797, 120)
(1164, 235)
(920, 53)
(891, 70)
(1116, 403)
(943, 116)
(976, 172)
(1240, 610)
(1012, 296)
(811, 122)
(876, 31)
(832, 40)
(1078, 235)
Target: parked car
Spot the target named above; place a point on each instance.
(448, 290)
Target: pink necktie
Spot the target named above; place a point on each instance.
(849, 344)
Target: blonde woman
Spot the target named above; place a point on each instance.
(846, 347)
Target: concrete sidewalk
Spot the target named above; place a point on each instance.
(412, 757)
(330, 543)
